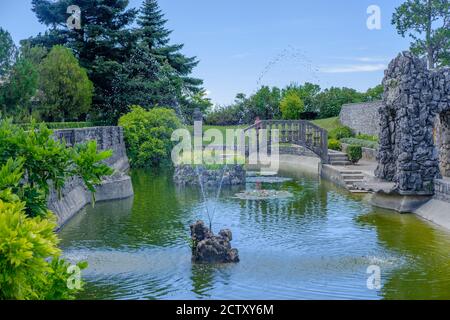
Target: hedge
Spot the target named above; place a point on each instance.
(65, 125)
(361, 143)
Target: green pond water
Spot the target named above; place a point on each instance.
(315, 245)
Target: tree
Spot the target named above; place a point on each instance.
(375, 93)
(65, 89)
(7, 53)
(18, 89)
(102, 45)
(156, 36)
(427, 22)
(265, 104)
(330, 101)
(307, 93)
(292, 106)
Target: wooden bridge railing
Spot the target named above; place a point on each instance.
(299, 132)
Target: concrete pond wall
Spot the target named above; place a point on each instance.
(74, 195)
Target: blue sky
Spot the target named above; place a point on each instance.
(243, 44)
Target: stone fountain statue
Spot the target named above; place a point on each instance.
(210, 248)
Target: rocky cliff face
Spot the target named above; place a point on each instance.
(118, 186)
(413, 97)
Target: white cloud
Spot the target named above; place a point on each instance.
(353, 68)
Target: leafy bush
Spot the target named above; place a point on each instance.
(29, 258)
(334, 144)
(147, 135)
(361, 143)
(341, 132)
(367, 137)
(64, 125)
(30, 267)
(354, 153)
(43, 160)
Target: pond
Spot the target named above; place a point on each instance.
(317, 244)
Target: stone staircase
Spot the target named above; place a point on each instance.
(338, 158)
(351, 178)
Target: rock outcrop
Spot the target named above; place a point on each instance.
(188, 175)
(413, 98)
(210, 248)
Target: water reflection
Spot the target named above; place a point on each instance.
(315, 245)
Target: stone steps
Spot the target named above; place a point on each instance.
(351, 177)
(338, 158)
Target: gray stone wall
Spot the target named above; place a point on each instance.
(362, 117)
(442, 137)
(442, 190)
(413, 97)
(188, 175)
(118, 186)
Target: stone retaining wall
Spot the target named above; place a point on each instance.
(187, 175)
(118, 186)
(362, 117)
(442, 190)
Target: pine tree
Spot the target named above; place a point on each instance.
(156, 36)
(102, 44)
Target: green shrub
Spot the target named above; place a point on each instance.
(43, 160)
(341, 133)
(334, 144)
(147, 135)
(367, 137)
(354, 153)
(361, 143)
(64, 125)
(30, 267)
(30, 162)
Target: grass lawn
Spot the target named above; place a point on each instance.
(328, 124)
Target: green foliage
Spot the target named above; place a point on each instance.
(307, 93)
(354, 153)
(26, 244)
(154, 33)
(147, 135)
(341, 132)
(427, 23)
(45, 160)
(7, 52)
(334, 144)
(367, 137)
(224, 116)
(21, 86)
(291, 106)
(330, 101)
(374, 94)
(65, 89)
(65, 125)
(132, 62)
(361, 142)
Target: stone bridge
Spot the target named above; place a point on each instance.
(298, 132)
